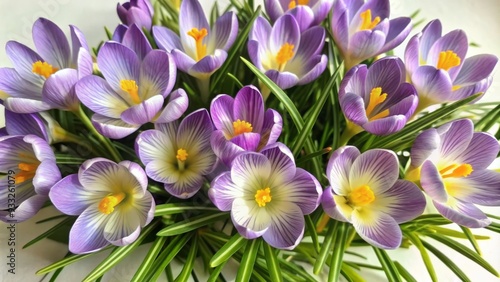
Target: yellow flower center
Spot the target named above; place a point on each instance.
(182, 155)
(263, 196)
(131, 88)
(241, 126)
(454, 170)
(447, 60)
(108, 203)
(294, 3)
(198, 35)
(284, 55)
(361, 196)
(43, 68)
(376, 98)
(367, 22)
(27, 172)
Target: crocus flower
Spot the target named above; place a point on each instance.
(362, 30)
(200, 50)
(366, 192)
(267, 196)
(451, 163)
(179, 155)
(377, 98)
(136, 83)
(45, 80)
(27, 172)
(25, 124)
(438, 69)
(242, 124)
(111, 202)
(307, 12)
(139, 12)
(287, 56)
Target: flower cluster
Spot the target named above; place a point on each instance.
(133, 137)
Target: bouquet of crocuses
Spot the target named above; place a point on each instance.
(278, 138)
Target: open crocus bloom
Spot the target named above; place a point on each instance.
(139, 12)
(366, 192)
(200, 50)
(438, 69)
(45, 79)
(363, 30)
(267, 196)
(179, 155)
(285, 55)
(28, 168)
(242, 124)
(378, 99)
(307, 12)
(451, 163)
(111, 202)
(136, 83)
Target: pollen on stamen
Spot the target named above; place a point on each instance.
(241, 126)
(263, 196)
(462, 170)
(376, 98)
(27, 171)
(294, 3)
(108, 203)
(366, 20)
(182, 155)
(361, 196)
(198, 35)
(447, 60)
(131, 87)
(284, 55)
(43, 68)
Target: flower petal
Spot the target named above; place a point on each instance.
(377, 228)
(247, 214)
(329, 205)
(135, 39)
(285, 30)
(481, 151)
(249, 106)
(59, 90)
(111, 127)
(287, 227)
(117, 62)
(143, 112)
(339, 166)
(223, 191)
(376, 168)
(69, 197)
(464, 214)
(223, 33)
(158, 73)
(51, 43)
(481, 187)
(431, 182)
(166, 39)
(87, 233)
(95, 93)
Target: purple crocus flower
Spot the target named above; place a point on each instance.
(45, 80)
(136, 82)
(377, 98)
(242, 124)
(267, 196)
(438, 69)
(139, 12)
(307, 12)
(366, 192)
(287, 56)
(111, 202)
(179, 155)
(25, 124)
(28, 170)
(200, 50)
(451, 163)
(363, 30)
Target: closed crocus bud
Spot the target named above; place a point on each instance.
(139, 12)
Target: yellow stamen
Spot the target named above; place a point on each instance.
(458, 171)
(182, 155)
(132, 89)
(263, 196)
(284, 55)
(361, 196)
(43, 68)
(447, 60)
(294, 3)
(455, 87)
(367, 23)
(27, 172)
(376, 98)
(198, 35)
(108, 203)
(241, 126)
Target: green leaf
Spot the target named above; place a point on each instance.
(272, 263)
(51, 218)
(53, 230)
(404, 273)
(448, 262)
(226, 252)
(311, 228)
(118, 254)
(327, 246)
(176, 208)
(472, 239)
(350, 274)
(66, 261)
(216, 272)
(148, 260)
(390, 269)
(189, 263)
(248, 260)
(191, 224)
(423, 252)
(338, 251)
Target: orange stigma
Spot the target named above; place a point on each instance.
(447, 60)
(198, 35)
(132, 89)
(366, 20)
(376, 98)
(43, 68)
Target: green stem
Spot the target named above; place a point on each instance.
(204, 87)
(107, 143)
(350, 130)
(265, 91)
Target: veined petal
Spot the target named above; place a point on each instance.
(399, 28)
(456, 139)
(118, 62)
(123, 226)
(186, 186)
(24, 124)
(376, 168)
(158, 73)
(247, 141)
(303, 190)
(139, 174)
(424, 145)
(152, 145)
(22, 58)
(385, 126)
(249, 215)
(455, 41)
(144, 112)
(339, 166)
(221, 110)
(223, 148)
(223, 191)
(47, 174)
(285, 30)
(208, 64)
(387, 73)
(69, 197)
(284, 80)
(430, 34)
(111, 127)
(432, 84)
(135, 39)
(481, 151)
(271, 129)
(166, 39)
(465, 214)
(431, 182)
(249, 170)
(95, 93)
(377, 228)
(25, 105)
(84, 63)
(223, 33)
(59, 90)
(282, 166)
(16, 86)
(51, 43)
(365, 44)
(77, 41)
(183, 61)
(353, 108)
(140, 17)
(304, 16)
(273, 9)
(27, 209)
(87, 233)
(194, 132)
(287, 226)
(176, 106)
(475, 69)
(329, 205)
(481, 187)
(191, 16)
(249, 106)
(314, 68)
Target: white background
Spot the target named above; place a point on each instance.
(479, 19)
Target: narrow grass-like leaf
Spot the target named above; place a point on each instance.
(350, 274)
(66, 261)
(308, 157)
(49, 232)
(216, 272)
(326, 247)
(235, 79)
(118, 254)
(311, 228)
(472, 239)
(272, 263)
(404, 273)
(248, 260)
(464, 251)
(176, 208)
(391, 272)
(296, 270)
(189, 262)
(338, 251)
(154, 250)
(423, 252)
(493, 216)
(191, 224)
(51, 218)
(481, 123)
(454, 233)
(227, 251)
(448, 262)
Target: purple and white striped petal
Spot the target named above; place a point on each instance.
(378, 169)
(87, 233)
(249, 106)
(166, 39)
(59, 90)
(24, 124)
(223, 191)
(144, 112)
(112, 127)
(431, 182)
(377, 228)
(51, 43)
(481, 187)
(118, 62)
(176, 106)
(135, 39)
(248, 214)
(339, 166)
(191, 16)
(69, 197)
(287, 226)
(330, 206)
(223, 33)
(465, 214)
(95, 93)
